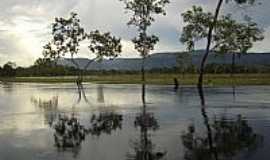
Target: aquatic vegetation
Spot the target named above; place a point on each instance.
(228, 139)
(69, 132)
(105, 123)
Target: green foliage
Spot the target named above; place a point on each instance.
(142, 18)
(229, 35)
(104, 45)
(8, 70)
(198, 23)
(143, 11)
(43, 62)
(144, 43)
(230, 138)
(68, 34)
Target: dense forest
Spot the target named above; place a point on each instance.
(46, 67)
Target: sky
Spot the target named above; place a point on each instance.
(25, 25)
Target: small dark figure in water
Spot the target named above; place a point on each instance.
(176, 84)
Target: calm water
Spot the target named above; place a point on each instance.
(171, 126)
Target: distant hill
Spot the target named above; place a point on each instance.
(168, 60)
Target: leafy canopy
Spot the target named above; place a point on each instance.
(197, 26)
(142, 18)
(68, 34)
(228, 35)
(231, 36)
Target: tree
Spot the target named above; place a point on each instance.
(229, 138)
(235, 38)
(68, 34)
(201, 25)
(43, 62)
(143, 147)
(142, 18)
(9, 69)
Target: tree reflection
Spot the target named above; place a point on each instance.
(7, 86)
(143, 148)
(225, 139)
(48, 107)
(106, 123)
(69, 134)
(201, 94)
(81, 93)
(100, 94)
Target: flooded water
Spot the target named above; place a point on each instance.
(171, 125)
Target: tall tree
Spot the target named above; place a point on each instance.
(193, 31)
(143, 12)
(235, 38)
(68, 34)
(9, 69)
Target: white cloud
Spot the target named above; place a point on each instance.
(263, 46)
(24, 24)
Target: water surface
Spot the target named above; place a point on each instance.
(172, 125)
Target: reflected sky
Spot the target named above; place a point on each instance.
(28, 112)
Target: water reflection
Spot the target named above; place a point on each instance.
(106, 123)
(81, 93)
(226, 138)
(143, 148)
(48, 107)
(7, 86)
(69, 134)
(100, 94)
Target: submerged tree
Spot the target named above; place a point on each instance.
(143, 148)
(69, 133)
(68, 34)
(201, 25)
(142, 18)
(106, 123)
(225, 139)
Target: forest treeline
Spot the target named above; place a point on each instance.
(46, 67)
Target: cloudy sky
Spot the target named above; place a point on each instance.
(25, 24)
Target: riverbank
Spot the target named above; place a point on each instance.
(153, 78)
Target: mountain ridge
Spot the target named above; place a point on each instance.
(162, 60)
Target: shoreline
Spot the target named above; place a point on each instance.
(153, 78)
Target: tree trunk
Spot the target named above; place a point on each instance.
(77, 66)
(233, 65)
(232, 74)
(212, 148)
(209, 40)
(143, 80)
